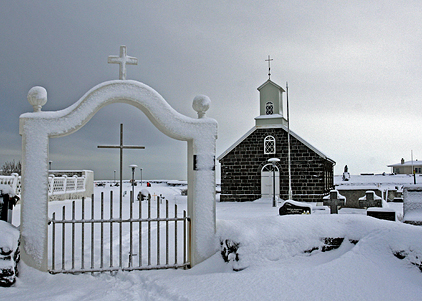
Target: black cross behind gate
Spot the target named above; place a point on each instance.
(121, 147)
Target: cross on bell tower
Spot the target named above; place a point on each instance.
(122, 60)
(269, 66)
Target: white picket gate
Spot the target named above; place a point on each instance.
(141, 235)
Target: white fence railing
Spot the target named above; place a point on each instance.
(65, 184)
(13, 181)
(62, 187)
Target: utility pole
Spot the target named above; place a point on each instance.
(273, 161)
(288, 144)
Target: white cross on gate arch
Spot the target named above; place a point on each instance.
(122, 60)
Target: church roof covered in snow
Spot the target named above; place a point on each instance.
(285, 129)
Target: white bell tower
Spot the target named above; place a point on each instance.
(270, 102)
(271, 105)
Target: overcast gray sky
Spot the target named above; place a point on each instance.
(354, 70)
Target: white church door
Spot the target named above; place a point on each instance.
(267, 181)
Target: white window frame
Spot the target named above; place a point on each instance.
(269, 145)
(269, 108)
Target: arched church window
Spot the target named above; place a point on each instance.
(269, 145)
(269, 108)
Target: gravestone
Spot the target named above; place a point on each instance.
(334, 200)
(353, 193)
(292, 207)
(412, 205)
(370, 200)
(382, 213)
(144, 195)
(393, 195)
(346, 174)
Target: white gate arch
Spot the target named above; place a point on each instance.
(37, 127)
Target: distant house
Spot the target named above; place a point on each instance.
(246, 174)
(405, 167)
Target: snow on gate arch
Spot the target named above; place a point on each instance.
(37, 127)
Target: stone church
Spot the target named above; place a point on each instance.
(246, 174)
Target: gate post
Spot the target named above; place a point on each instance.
(201, 184)
(34, 208)
(201, 203)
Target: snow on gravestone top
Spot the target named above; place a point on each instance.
(294, 207)
(334, 200)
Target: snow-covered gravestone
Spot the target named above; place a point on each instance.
(412, 204)
(38, 127)
(292, 207)
(334, 200)
(370, 200)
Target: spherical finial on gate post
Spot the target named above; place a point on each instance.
(201, 104)
(37, 97)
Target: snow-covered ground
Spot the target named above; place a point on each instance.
(279, 258)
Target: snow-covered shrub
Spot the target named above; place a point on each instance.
(413, 257)
(9, 253)
(329, 243)
(229, 252)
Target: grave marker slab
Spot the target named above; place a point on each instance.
(382, 213)
(291, 207)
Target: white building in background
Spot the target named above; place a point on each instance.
(405, 167)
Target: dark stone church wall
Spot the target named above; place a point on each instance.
(241, 169)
